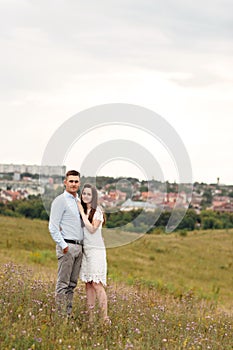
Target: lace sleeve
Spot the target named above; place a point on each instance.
(98, 215)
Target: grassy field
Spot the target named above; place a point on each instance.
(202, 261)
(165, 292)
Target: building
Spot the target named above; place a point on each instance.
(135, 205)
(224, 208)
(47, 170)
(222, 204)
(9, 196)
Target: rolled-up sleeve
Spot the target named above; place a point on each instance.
(56, 213)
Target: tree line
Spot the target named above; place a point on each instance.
(135, 220)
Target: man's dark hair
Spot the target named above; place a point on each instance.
(73, 173)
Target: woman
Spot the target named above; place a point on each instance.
(94, 265)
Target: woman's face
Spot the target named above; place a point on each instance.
(87, 195)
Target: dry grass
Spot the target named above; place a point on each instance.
(165, 292)
(202, 261)
(142, 319)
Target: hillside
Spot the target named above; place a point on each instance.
(202, 261)
(164, 292)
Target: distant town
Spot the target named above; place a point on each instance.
(20, 181)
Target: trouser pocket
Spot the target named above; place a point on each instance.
(59, 251)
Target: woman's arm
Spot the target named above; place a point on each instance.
(91, 227)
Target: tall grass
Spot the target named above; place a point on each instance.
(165, 292)
(141, 319)
(202, 262)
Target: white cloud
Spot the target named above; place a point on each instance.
(174, 57)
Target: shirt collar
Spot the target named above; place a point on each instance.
(69, 195)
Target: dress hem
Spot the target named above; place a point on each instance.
(95, 280)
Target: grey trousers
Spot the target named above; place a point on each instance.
(68, 272)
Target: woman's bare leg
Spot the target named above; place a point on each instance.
(102, 299)
(91, 297)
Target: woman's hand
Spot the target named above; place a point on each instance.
(80, 208)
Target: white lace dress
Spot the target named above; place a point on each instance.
(94, 264)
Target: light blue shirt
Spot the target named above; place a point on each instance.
(64, 222)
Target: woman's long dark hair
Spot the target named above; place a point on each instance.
(93, 201)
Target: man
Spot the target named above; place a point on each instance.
(66, 231)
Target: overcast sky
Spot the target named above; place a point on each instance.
(174, 57)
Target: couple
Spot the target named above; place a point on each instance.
(80, 248)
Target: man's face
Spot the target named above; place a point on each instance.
(72, 184)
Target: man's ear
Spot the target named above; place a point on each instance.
(64, 182)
